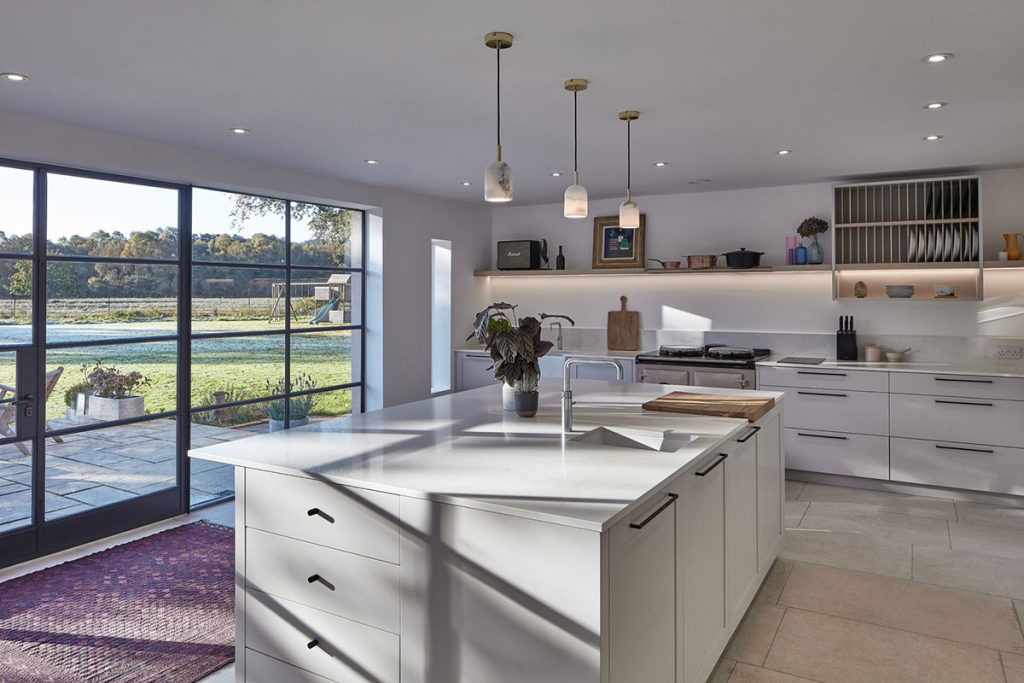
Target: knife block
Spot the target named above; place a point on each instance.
(846, 345)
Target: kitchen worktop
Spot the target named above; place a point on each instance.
(991, 368)
(464, 449)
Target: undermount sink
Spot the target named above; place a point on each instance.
(643, 439)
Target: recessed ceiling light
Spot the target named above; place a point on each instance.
(466, 183)
(932, 138)
(555, 174)
(661, 164)
(239, 131)
(10, 76)
(936, 105)
(937, 58)
(785, 152)
(372, 162)
(699, 181)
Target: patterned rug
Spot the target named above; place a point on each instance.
(157, 609)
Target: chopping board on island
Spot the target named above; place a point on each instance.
(713, 405)
(623, 329)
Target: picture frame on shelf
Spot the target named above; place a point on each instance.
(617, 247)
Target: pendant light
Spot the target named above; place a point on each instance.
(629, 212)
(498, 176)
(576, 202)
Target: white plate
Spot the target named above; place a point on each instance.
(947, 242)
(912, 244)
(958, 252)
(929, 251)
(974, 243)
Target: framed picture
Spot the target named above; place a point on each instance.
(616, 247)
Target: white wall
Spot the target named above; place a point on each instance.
(714, 222)
(399, 356)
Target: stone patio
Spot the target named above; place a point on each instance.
(94, 469)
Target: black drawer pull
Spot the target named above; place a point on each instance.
(826, 374)
(961, 448)
(320, 513)
(316, 577)
(754, 429)
(821, 393)
(969, 381)
(822, 436)
(640, 525)
(965, 403)
(313, 643)
(716, 463)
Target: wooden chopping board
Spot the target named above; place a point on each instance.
(714, 405)
(623, 329)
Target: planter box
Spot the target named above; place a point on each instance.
(115, 408)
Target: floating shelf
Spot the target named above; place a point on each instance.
(911, 266)
(637, 271)
(1004, 264)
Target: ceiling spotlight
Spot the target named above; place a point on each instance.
(931, 138)
(239, 131)
(372, 162)
(699, 181)
(937, 58)
(555, 174)
(785, 152)
(661, 164)
(936, 105)
(17, 78)
(466, 183)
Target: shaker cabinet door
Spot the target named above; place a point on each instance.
(740, 528)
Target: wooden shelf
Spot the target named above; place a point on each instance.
(1004, 264)
(764, 270)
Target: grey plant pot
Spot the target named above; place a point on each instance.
(526, 404)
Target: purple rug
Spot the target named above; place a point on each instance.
(157, 609)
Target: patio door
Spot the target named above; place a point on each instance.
(17, 445)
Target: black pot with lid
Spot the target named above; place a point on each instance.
(741, 258)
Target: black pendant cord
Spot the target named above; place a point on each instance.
(575, 140)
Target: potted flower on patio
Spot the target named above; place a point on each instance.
(300, 405)
(112, 392)
(515, 347)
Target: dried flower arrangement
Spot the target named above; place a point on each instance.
(812, 226)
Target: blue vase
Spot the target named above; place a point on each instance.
(800, 255)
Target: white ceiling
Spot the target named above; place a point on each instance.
(722, 85)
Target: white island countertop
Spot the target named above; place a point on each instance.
(991, 368)
(464, 449)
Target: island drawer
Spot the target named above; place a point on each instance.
(980, 468)
(836, 410)
(260, 668)
(329, 646)
(968, 386)
(355, 520)
(813, 377)
(352, 586)
(854, 455)
(963, 420)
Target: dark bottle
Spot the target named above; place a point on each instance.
(560, 259)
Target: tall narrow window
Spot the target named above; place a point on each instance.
(440, 316)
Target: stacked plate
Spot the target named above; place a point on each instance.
(942, 243)
(899, 291)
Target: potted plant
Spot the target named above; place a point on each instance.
(112, 392)
(75, 398)
(300, 405)
(812, 227)
(515, 347)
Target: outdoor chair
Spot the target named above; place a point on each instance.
(9, 411)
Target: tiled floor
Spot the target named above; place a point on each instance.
(875, 586)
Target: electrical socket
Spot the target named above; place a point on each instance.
(1008, 352)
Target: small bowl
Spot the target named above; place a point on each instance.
(896, 356)
(899, 291)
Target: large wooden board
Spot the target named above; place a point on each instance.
(623, 329)
(715, 405)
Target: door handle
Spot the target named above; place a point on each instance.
(25, 402)
(647, 520)
(821, 393)
(822, 436)
(824, 374)
(716, 463)
(961, 448)
(966, 403)
(969, 381)
(754, 429)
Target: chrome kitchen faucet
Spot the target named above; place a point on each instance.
(567, 389)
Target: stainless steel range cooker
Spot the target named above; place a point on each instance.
(713, 365)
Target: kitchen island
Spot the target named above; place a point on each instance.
(445, 540)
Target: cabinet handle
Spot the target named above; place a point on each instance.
(969, 381)
(316, 577)
(317, 511)
(822, 436)
(716, 463)
(647, 520)
(477, 355)
(961, 448)
(822, 393)
(754, 429)
(965, 403)
(826, 374)
(313, 643)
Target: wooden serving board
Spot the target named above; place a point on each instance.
(623, 329)
(715, 405)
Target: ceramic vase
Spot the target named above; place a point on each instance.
(1013, 245)
(815, 254)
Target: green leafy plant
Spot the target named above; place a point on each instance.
(812, 226)
(109, 382)
(72, 392)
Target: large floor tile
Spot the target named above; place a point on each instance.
(987, 540)
(860, 519)
(795, 511)
(744, 673)
(970, 571)
(856, 551)
(756, 633)
(774, 581)
(881, 501)
(948, 613)
(834, 650)
(793, 489)
(720, 675)
(1013, 668)
(990, 515)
